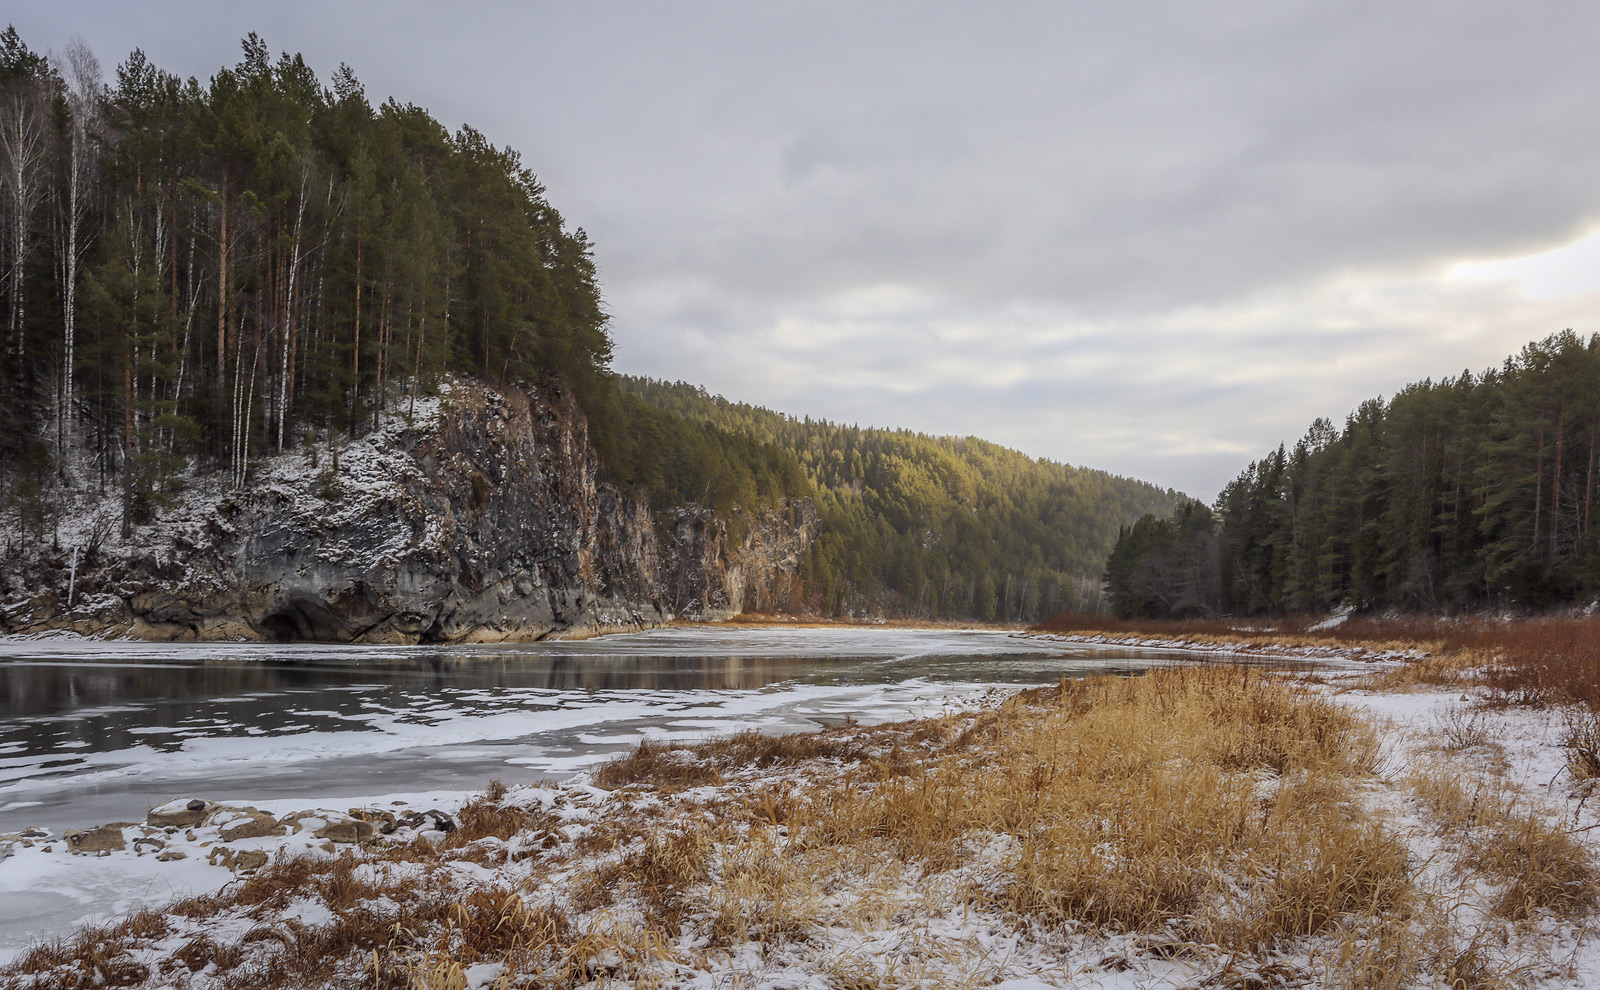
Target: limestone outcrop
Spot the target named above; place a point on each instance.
(481, 519)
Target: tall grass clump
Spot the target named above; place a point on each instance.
(1215, 799)
(1537, 865)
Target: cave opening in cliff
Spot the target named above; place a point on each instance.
(302, 619)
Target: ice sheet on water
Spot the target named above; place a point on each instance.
(349, 712)
(331, 726)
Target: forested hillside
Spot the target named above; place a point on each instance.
(201, 276)
(1470, 492)
(196, 273)
(950, 526)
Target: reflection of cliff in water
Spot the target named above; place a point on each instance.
(109, 706)
(48, 688)
(95, 732)
(621, 673)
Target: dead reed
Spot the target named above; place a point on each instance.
(1538, 660)
(1209, 795)
(677, 765)
(1537, 866)
(1582, 742)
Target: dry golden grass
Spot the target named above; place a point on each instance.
(1216, 800)
(95, 957)
(381, 930)
(1541, 660)
(488, 817)
(659, 765)
(675, 765)
(1582, 742)
(1543, 867)
(1452, 670)
(1538, 866)
(1214, 796)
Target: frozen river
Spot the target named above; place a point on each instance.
(95, 732)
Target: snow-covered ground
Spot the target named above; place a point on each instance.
(100, 731)
(889, 921)
(1507, 761)
(47, 890)
(1225, 649)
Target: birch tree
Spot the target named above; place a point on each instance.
(24, 170)
(79, 71)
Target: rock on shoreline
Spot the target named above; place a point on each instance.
(241, 838)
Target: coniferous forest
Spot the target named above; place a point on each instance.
(1471, 492)
(198, 275)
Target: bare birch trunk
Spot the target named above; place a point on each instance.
(22, 143)
(1555, 485)
(284, 383)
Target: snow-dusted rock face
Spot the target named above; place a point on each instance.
(480, 520)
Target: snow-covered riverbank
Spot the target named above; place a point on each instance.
(703, 866)
(1261, 648)
(99, 732)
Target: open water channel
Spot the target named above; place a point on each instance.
(93, 732)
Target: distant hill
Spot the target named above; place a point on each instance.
(922, 525)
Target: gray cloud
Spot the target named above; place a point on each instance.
(1157, 238)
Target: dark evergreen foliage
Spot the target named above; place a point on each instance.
(204, 272)
(1166, 568)
(1471, 492)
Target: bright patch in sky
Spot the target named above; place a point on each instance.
(1566, 271)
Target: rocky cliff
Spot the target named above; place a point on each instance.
(478, 519)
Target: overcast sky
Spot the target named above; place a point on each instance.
(1152, 238)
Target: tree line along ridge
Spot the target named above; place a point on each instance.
(934, 527)
(1469, 493)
